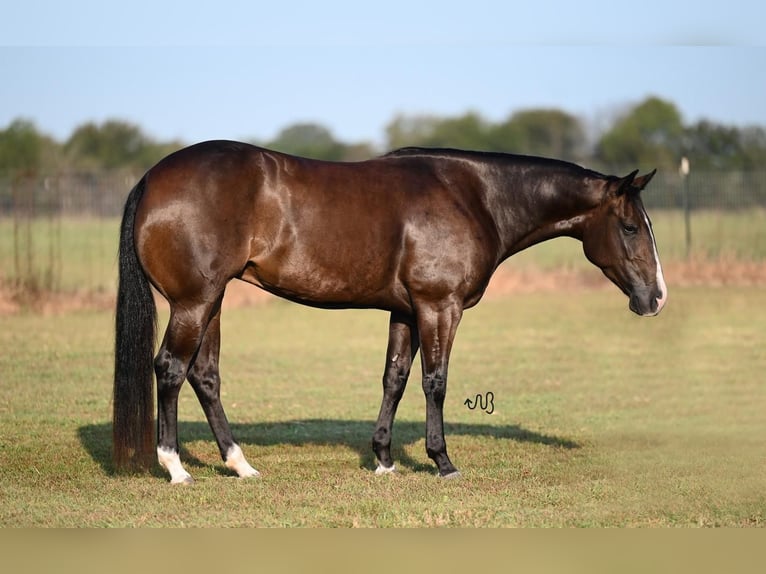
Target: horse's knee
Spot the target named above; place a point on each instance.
(435, 386)
(395, 381)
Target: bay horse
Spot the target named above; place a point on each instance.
(416, 232)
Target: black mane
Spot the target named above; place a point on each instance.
(530, 160)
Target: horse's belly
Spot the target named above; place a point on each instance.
(345, 283)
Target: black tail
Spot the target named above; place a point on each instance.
(135, 328)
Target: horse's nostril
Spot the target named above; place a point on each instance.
(660, 302)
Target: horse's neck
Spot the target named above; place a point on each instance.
(529, 211)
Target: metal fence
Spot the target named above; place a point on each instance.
(103, 194)
(58, 233)
(707, 190)
(88, 194)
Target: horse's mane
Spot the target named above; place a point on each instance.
(493, 156)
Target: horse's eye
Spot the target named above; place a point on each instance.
(629, 228)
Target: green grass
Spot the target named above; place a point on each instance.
(601, 419)
(714, 234)
(69, 254)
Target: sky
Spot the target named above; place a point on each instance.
(246, 69)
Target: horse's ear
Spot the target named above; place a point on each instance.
(641, 182)
(621, 185)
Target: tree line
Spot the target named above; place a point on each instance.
(646, 135)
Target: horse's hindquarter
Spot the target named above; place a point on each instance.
(192, 224)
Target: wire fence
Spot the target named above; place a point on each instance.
(707, 190)
(103, 194)
(59, 233)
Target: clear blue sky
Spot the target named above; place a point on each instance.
(245, 69)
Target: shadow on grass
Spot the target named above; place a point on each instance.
(353, 434)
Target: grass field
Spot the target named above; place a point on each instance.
(601, 419)
(72, 254)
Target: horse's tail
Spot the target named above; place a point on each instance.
(135, 328)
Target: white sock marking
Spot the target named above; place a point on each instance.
(385, 469)
(235, 460)
(170, 460)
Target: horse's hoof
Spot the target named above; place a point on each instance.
(185, 480)
(252, 473)
(381, 470)
(451, 475)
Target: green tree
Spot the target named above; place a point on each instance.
(468, 131)
(24, 149)
(308, 140)
(651, 134)
(754, 147)
(113, 144)
(358, 151)
(409, 130)
(714, 146)
(545, 132)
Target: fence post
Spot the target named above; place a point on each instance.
(684, 171)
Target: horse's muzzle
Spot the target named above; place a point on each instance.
(647, 304)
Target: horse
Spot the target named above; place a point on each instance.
(416, 232)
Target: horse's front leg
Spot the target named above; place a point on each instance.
(437, 324)
(402, 346)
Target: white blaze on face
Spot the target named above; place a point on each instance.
(660, 278)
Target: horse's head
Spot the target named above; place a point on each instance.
(619, 240)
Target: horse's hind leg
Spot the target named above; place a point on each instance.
(184, 334)
(402, 346)
(205, 379)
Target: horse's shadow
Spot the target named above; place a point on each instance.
(353, 434)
